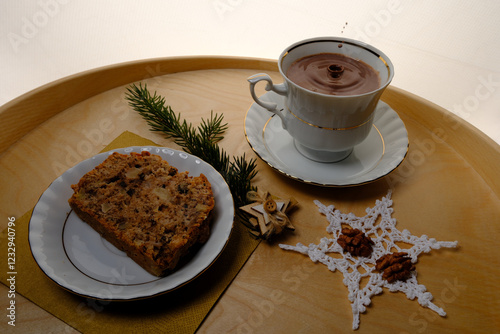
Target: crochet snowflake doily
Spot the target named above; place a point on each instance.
(381, 227)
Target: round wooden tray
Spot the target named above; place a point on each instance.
(447, 188)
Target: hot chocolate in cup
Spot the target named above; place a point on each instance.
(331, 88)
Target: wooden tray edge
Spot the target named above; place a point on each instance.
(21, 115)
(478, 149)
(38, 105)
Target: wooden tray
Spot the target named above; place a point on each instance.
(447, 188)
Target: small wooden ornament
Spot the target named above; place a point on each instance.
(271, 212)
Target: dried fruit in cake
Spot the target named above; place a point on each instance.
(146, 208)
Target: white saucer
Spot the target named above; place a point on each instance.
(379, 154)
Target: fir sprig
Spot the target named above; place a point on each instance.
(201, 141)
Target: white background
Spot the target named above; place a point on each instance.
(444, 51)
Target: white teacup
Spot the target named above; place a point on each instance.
(326, 127)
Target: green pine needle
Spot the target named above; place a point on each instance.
(201, 141)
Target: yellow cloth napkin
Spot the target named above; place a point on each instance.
(179, 311)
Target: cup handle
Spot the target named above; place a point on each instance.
(279, 89)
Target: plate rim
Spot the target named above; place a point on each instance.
(315, 183)
(228, 231)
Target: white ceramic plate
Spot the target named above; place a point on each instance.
(379, 154)
(75, 256)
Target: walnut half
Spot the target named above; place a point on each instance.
(355, 242)
(395, 266)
